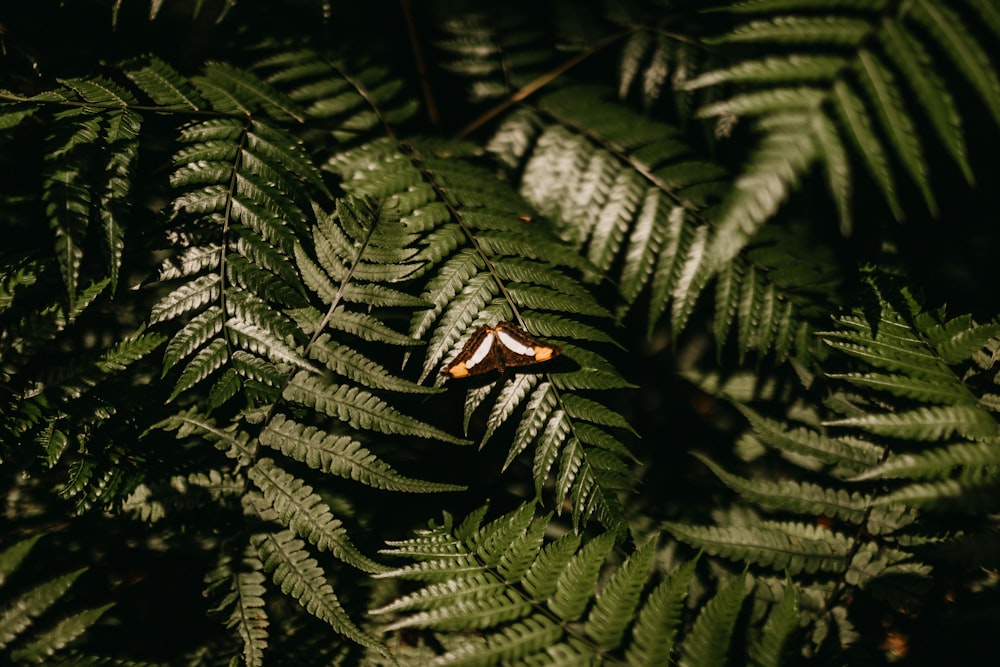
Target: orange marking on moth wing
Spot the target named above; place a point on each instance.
(459, 370)
(543, 353)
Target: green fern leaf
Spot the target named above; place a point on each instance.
(163, 84)
(516, 559)
(60, 635)
(801, 497)
(346, 362)
(14, 555)
(937, 462)
(911, 57)
(617, 601)
(516, 640)
(795, 547)
(359, 408)
(550, 441)
(511, 396)
(853, 115)
(444, 595)
(855, 454)
(938, 494)
(494, 539)
(781, 622)
(28, 606)
(301, 577)
(694, 274)
(538, 413)
(252, 620)
(928, 423)
(708, 642)
(362, 325)
(243, 599)
(960, 338)
(881, 89)
(208, 360)
(340, 455)
(187, 297)
(233, 90)
(227, 439)
(968, 55)
(198, 331)
(301, 509)
(844, 31)
(576, 583)
(579, 407)
(784, 154)
(541, 578)
(910, 387)
(659, 619)
(542, 298)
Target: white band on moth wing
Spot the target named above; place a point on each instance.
(515, 346)
(481, 351)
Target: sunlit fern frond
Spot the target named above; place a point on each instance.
(827, 80)
(237, 592)
(640, 204)
(486, 264)
(342, 270)
(532, 600)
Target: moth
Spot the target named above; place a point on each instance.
(496, 349)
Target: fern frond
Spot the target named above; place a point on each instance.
(786, 151)
(485, 266)
(576, 583)
(800, 497)
(522, 596)
(301, 509)
(358, 408)
(618, 599)
(659, 619)
(781, 622)
(785, 546)
(965, 51)
(708, 641)
(926, 423)
(242, 592)
(857, 55)
(30, 605)
(629, 193)
(340, 455)
(60, 635)
(852, 453)
(300, 576)
(937, 462)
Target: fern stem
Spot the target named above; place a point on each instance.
(420, 63)
(227, 218)
(541, 82)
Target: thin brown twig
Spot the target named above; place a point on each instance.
(421, 64)
(540, 82)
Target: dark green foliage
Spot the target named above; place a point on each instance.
(242, 239)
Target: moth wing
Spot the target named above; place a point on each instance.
(478, 355)
(519, 348)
